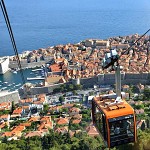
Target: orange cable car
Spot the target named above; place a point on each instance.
(116, 123)
(114, 118)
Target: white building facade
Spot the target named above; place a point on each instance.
(4, 64)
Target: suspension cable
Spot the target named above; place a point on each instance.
(134, 43)
(4, 11)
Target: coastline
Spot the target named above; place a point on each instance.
(83, 60)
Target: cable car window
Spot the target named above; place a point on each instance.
(100, 122)
(121, 130)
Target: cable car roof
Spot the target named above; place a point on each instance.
(113, 111)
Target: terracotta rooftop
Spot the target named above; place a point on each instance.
(34, 119)
(28, 100)
(62, 129)
(62, 121)
(2, 125)
(44, 125)
(92, 131)
(5, 105)
(74, 109)
(53, 79)
(34, 133)
(18, 128)
(12, 133)
(55, 68)
(4, 116)
(18, 111)
(46, 119)
(140, 111)
(76, 121)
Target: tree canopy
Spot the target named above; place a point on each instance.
(80, 141)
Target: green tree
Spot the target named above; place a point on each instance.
(143, 140)
(45, 108)
(148, 123)
(75, 127)
(91, 93)
(78, 87)
(12, 106)
(61, 99)
(83, 124)
(21, 144)
(70, 87)
(4, 140)
(3, 112)
(141, 106)
(146, 93)
(65, 147)
(74, 146)
(83, 145)
(65, 110)
(3, 146)
(74, 92)
(56, 90)
(143, 126)
(45, 142)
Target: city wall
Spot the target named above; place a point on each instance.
(9, 97)
(46, 90)
(13, 64)
(126, 78)
(24, 64)
(101, 79)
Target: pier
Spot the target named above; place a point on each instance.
(37, 70)
(36, 78)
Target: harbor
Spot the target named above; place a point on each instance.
(11, 81)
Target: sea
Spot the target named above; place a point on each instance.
(43, 23)
(11, 81)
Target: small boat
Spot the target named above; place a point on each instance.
(15, 72)
(4, 88)
(5, 82)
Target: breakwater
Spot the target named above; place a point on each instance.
(14, 64)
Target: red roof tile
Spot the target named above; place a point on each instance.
(62, 121)
(76, 121)
(19, 128)
(92, 131)
(18, 111)
(34, 133)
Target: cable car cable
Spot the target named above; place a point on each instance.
(9, 28)
(128, 49)
(4, 11)
(135, 42)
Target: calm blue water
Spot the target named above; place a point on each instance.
(43, 23)
(12, 81)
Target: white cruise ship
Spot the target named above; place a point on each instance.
(4, 64)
